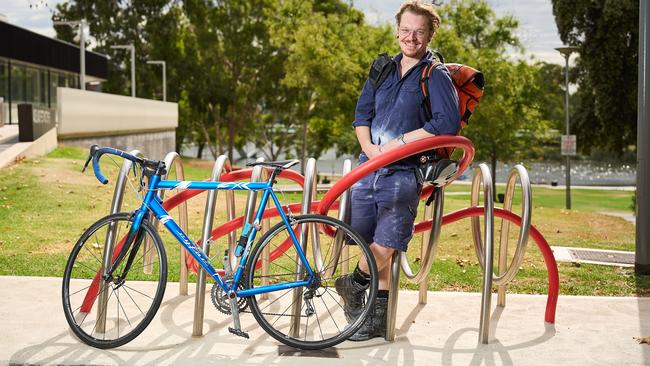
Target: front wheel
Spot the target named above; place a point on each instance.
(110, 313)
(313, 316)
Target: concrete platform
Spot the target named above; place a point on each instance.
(588, 331)
(12, 151)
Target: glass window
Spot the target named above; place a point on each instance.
(17, 84)
(31, 85)
(4, 80)
(54, 82)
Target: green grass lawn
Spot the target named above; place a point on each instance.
(46, 203)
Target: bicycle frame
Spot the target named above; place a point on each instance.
(153, 203)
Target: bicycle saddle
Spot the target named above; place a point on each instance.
(284, 164)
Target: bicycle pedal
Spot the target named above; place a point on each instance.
(238, 332)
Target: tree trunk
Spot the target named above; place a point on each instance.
(199, 153)
(231, 139)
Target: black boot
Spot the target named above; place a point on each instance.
(375, 324)
(353, 295)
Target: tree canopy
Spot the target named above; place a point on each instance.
(285, 75)
(604, 111)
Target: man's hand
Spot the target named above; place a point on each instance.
(372, 150)
(390, 145)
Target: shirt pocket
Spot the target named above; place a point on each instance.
(411, 87)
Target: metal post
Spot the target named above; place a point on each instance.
(82, 56)
(199, 300)
(483, 173)
(393, 295)
(174, 159)
(109, 242)
(566, 52)
(131, 48)
(341, 252)
(308, 191)
(428, 214)
(344, 215)
(642, 256)
(82, 47)
(566, 118)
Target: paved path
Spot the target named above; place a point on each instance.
(588, 331)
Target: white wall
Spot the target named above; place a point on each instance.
(86, 113)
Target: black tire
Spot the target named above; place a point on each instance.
(132, 304)
(328, 323)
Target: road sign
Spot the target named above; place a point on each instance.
(569, 144)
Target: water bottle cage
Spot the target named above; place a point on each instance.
(241, 245)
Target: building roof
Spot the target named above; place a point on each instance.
(24, 45)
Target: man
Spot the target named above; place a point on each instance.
(384, 203)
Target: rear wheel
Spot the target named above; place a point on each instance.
(107, 314)
(309, 317)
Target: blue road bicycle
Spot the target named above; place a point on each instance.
(111, 293)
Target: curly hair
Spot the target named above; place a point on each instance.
(419, 7)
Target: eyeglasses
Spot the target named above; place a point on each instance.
(404, 32)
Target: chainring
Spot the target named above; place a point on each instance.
(220, 298)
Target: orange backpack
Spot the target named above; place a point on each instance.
(469, 84)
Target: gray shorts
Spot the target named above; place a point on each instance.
(384, 207)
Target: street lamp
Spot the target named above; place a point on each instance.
(82, 47)
(131, 48)
(566, 52)
(164, 76)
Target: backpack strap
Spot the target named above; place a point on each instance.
(436, 59)
(424, 86)
(381, 67)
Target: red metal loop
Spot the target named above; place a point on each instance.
(392, 156)
(542, 244)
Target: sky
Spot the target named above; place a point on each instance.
(537, 30)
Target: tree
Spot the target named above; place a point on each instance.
(328, 48)
(508, 119)
(606, 31)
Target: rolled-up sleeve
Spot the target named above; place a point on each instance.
(365, 110)
(444, 104)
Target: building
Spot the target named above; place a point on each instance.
(32, 66)
(44, 72)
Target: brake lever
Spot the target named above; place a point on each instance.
(90, 157)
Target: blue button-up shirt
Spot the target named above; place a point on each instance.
(396, 107)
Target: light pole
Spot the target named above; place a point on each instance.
(82, 47)
(131, 48)
(164, 76)
(566, 52)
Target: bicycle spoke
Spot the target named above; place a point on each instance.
(141, 293)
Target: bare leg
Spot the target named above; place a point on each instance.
(383, 256)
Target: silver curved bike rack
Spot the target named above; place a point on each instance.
(173, 158)
(430, 241)
(485, 257)
(483, 176)
(199, 299)
(109, 243)
(309, 190)
(340, 251)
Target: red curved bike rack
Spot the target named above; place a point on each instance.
(328, 202)
(542, 244)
